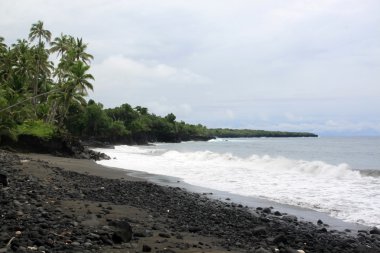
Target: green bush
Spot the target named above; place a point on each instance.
(36, 128)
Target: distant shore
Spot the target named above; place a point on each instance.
(81, 199)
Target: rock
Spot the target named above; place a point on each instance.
(279, 238)
(146, 248)
(76, 244)
(93, 236)
(319, 222)
(16, 202)
(194, 229)
(122, 233)
(142, 232)
(262, 250)
(259, 230)
(289, 218)
(267, 210)
(365, 249)
(4, 180)
(375, 231)
(290, 250)
(87, 244)
(164, 235)
(277, 213)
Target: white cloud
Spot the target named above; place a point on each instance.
(120, 70)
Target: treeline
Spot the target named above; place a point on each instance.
(237, 133)
(125, 124)
(43, 85)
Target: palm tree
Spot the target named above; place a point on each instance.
(37, 31)
(78, 52)
(5, 65)
(3, 46)
(61, 44)
(76, 86)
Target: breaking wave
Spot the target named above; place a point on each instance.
(339, 190)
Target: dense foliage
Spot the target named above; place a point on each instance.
(235, 133)
(43, 85)
(34, 89)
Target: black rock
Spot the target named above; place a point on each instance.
(267, 210)
(122, 233)
(146, 248)
(365, 249)
(279, 238)
(259, 230)
(375, 231)
(164, 235)
(4, 180)
(194, 229)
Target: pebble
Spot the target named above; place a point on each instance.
(234, 225)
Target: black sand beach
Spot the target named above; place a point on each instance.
(53, 204)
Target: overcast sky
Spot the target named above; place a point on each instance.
(297, 65)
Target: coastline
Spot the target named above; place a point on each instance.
(90, 167)
(173, 219)
(303, 214)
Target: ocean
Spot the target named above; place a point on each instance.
(336, 176)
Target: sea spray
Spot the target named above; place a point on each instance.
(335, 189)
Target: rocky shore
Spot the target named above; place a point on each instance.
(50, 208)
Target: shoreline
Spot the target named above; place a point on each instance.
(304, 214)
(162, 218)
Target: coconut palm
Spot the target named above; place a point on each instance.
(61, 45)
(76, 86)
(37, 31)
(3, 46)
(78, 52)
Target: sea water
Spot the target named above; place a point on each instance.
(338, 176)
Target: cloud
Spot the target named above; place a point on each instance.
(222, 63)
(131, 72)
(121, 79)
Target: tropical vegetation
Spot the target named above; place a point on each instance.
(44, 82)
(43, 85)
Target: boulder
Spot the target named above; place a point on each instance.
(267, 210)
(375, 231)
(122, 232)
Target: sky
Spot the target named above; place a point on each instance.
(295, 65)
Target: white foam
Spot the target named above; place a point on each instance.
(337, 190)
